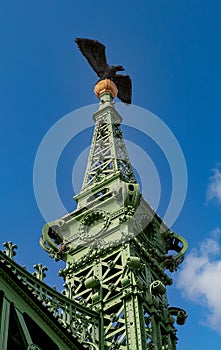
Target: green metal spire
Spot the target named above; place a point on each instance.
(108, 157)
(117, 250)
(108, 153)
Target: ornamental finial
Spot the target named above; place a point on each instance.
(105, 86)
(10, 249)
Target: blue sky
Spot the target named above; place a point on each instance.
(172, 50)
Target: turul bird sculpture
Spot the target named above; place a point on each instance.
(95, 54)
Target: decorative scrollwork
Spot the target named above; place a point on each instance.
(99, 218)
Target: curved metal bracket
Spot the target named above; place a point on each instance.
(181, 315)
(45, 241)
(175, 241)
(178, 244)
(52, 247)
(157, 287)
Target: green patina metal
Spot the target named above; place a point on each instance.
(29, 308)
(117, 251)
(32, 313)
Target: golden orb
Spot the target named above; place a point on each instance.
(105, 85)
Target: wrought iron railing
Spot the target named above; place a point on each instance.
(78, 320)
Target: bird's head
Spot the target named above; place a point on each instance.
(119, 68)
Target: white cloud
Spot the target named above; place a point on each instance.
(214, 187)
(200, 278)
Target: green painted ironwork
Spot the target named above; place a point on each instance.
(81, 322)
(10, 249)
(117, 250)
(108, 154)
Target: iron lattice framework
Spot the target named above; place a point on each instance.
(32, 312)
(108, 154)
(117, 249)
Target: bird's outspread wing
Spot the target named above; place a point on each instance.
(94, 52)
(124, 86)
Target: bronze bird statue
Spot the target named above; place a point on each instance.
(94, 52)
